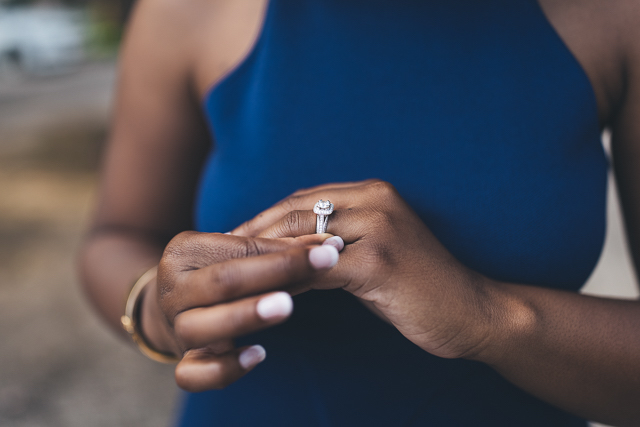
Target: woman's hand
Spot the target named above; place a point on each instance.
(212, 288)
(392, 260)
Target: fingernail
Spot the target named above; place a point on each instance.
(336, 242)
(228, 232)
(323, 257)
(276, 305)
(251, 356)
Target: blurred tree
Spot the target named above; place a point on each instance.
(116, 11)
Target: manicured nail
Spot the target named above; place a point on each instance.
(251, 356)
(276, 305)
(336, 242)
(228, 232)
(323, 257)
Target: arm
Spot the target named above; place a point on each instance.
(154, 152)
(204, 295)
(577, 352)
(583, 353)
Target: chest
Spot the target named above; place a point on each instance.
(481, 118)
(585, 26)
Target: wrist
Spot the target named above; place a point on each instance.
(506, 317)
(153, 324)
(131, 320)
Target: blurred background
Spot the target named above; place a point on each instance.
(59, 366)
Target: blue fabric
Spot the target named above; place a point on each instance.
(480, 116)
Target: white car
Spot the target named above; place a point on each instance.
(41, 40)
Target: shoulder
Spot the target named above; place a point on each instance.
(597, 21)
(192, 40)
(621, 24)
(602, 35)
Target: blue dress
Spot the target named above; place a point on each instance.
(486, 124)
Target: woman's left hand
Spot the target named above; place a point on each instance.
(392, 260)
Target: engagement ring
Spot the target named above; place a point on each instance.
(322, 209)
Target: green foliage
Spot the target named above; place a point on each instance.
(74, 3)
(103, 36)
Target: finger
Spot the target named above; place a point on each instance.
(343, 223)
(201, 370)
(353, 269)
(240, 278)
(332, 186)
(342, 195)
(335, 241)
(311, 239)
(191, 250)
(199, 327)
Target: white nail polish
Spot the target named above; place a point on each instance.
(323, 257)
(336, 242)
(275, 306)
(251, 356)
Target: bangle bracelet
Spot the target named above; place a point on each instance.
(131, 320)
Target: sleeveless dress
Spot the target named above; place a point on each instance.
(486, 124)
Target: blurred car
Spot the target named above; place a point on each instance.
(40, 40)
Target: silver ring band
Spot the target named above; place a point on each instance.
(322, 209)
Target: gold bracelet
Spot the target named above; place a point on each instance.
(131, 320)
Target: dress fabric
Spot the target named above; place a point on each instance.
(486, 124)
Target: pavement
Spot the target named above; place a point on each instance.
(59, 365)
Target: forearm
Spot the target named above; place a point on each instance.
(577, 352)
(109, 264)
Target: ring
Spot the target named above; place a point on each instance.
(322, 209)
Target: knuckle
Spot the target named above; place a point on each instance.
(191, 250)
(165, 288)
(165, 278)
(378, 254)
(292, 223)
(251, 248)
(245, 247)
(168, 281)
(181, 253)
(291, 220)
(382, 187)
(247, 228)
(292, 202)
(383, 220)
(177, 247)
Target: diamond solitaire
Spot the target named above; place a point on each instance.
(323, 208)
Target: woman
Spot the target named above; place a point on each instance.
(482, 122)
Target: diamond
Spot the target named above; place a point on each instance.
(323, 207)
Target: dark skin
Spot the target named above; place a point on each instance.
(542, 340)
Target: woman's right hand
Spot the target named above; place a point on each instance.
(212, 288)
